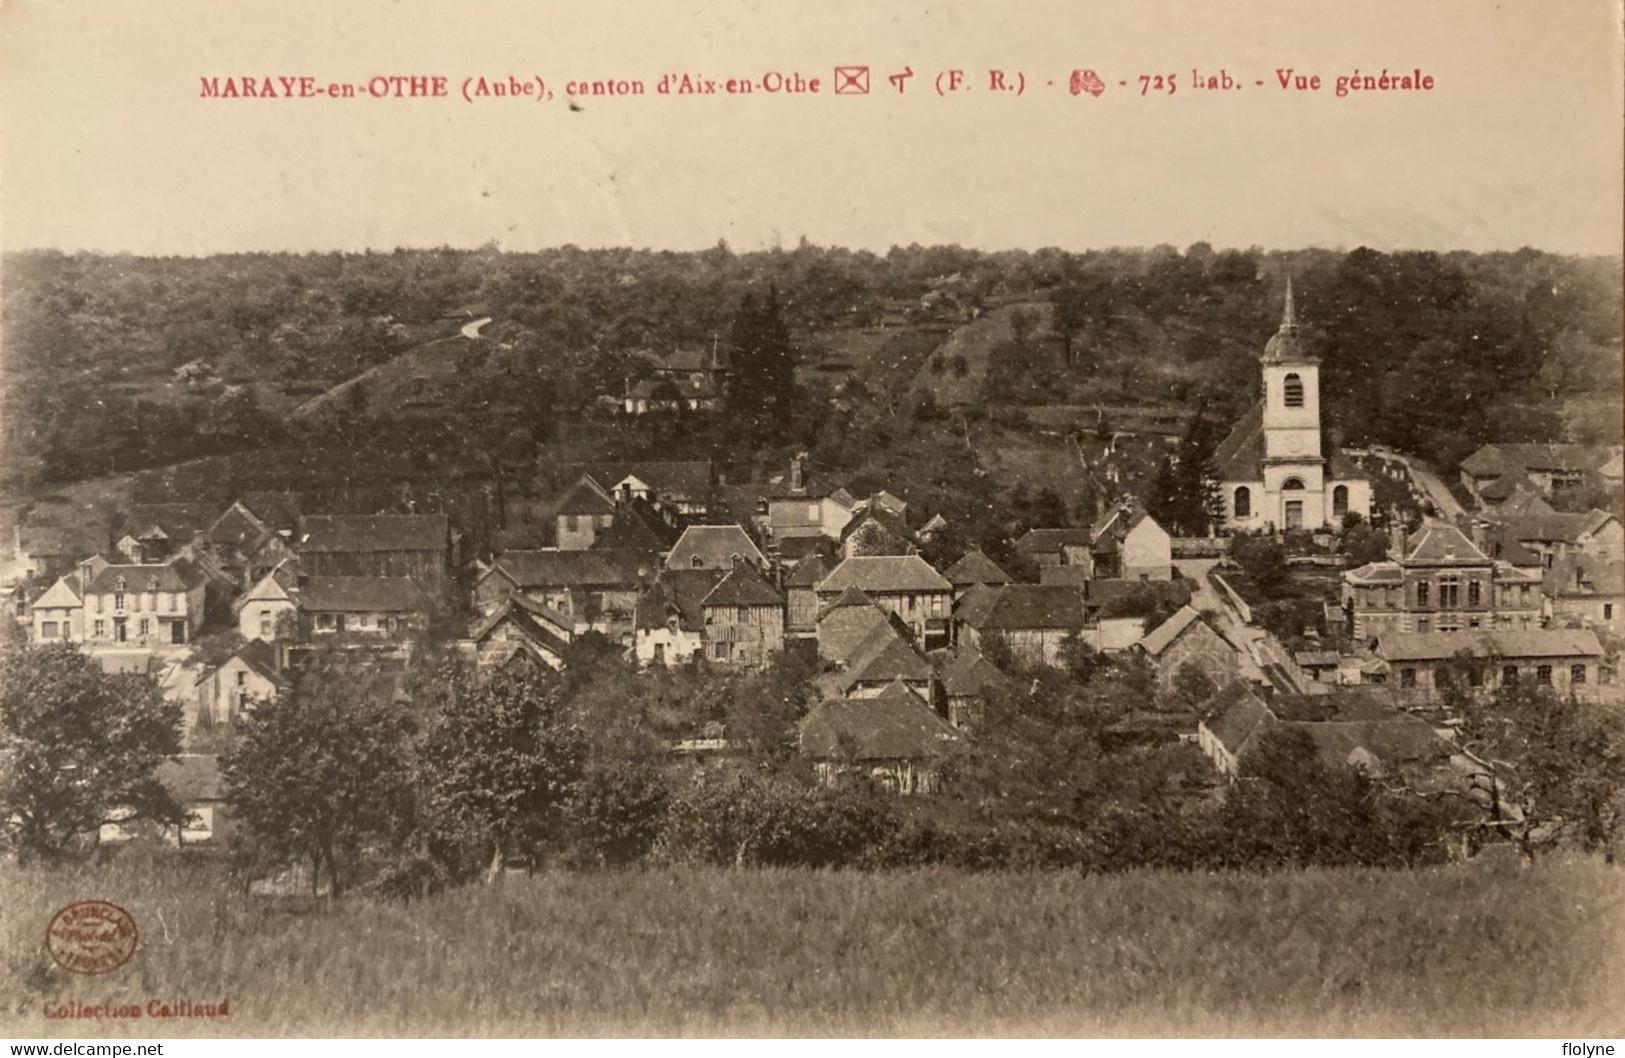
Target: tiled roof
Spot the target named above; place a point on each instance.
(1160, 638)
(883, 518)
(743, 586)
(1240, 456)
(1552, 528)
(675, 480)
(576, 569)
(1120, 520)
(585, 497)
(1241, 717)
(1440, 543)
(168, 577)
(677, 593)
(975, 568)
(373, 532)
(638, 527)
(515, 613)
(1065, 576)
(716, 546)
(1526, 643)
(1017, 607)
(361, 595)
(1494, 460)
(895, 725)
(1584, 575)
(851, 598)
(883, 656)
(883, 574)
(178, 521)
(808, 572)
(1051, 541)
(260, 656)
(238, 528)
(969, 673)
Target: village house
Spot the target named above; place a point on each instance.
(583, 512)
(59, 613)
(361, 609)
(714, 547)
(1187, 639)
(796, 504)
(1272, 469)
(154, 532)
(1035, 620)
(1492, 473)
(1552, 535)
(974, 567)
(905, 585)
(743, 618)
(880, 659)
(518, 630)
(894, 740)
(670, 620)
(877, 530)
(844, 625)
(194, 780)
(801, 596)
(1058, 547)
(260, 609)
(683, 380)
(682, 487)
(255, 534)
(597, 590)
(136, 605)
(377, 545)
(639, 526)
(967, 679)
(1425, 666)
(1584, 591)
(1437, 580)
(1348, 727)
(1125, 543)
(253, 673)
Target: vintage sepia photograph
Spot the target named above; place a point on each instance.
(722, 519)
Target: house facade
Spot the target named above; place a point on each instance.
(1440, 582)
(1586, 592)
(1184, 639)
(894, 740)
(1035, 620)
(1424, 667)
(904, 585)
(743, 617)
(254, 673)
(140, 605)
(377, 545)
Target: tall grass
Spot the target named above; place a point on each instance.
(1452, 951)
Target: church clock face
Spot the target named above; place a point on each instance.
(1293, 445)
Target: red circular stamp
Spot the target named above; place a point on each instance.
(91, 937)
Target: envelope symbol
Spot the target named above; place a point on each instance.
(851, 80)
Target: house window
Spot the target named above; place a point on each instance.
(135, 603)
(242, 679)
(146, 627)
(936, 606)
(324, 620)
(101, 629)
(47, 629)
(1424, 624)
(265, 622)
(1474, 596)
(812, 512)
(118, 601)
(1421, 593)
(389, 624)
(740, 613)
(1509, 675)
(1294, 391)
(1605, 674)
(571, 523)
(1407, 677)
(1577, 674)
(719, 650)
(1449, 593)
(170, 598)
(1340, 500)
(1244, 502)
(1475, 676)
(1607, 611)
(1543, 675)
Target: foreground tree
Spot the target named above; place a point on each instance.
(321, 773)
(79, 748)
(761, 384)
(499, 761)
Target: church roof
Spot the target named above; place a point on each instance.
(1240, 456)
(1286, 347)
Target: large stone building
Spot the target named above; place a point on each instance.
(1437, 580)
(1273, 468)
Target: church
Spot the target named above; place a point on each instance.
(1271, 468)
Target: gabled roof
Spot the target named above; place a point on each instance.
(1240, 717)
(1163, 636)
(1525, 500)
(883, 518)
(880, 574)
(238, 528)
(1515, 644)
(743, 586)
(260, 656)
(275, 510)
(968, 674)
(716, 547)
(361, 595)
(515, 612)
(975, 568)
(585, 497)
(1440, 543)
(176, 521)
(883, 656)
(1118, 522)
(639, 527)
(373, 532)
(808, 572)
(1240, 456)
(895, 725)
(849, 599)
(795, 549)
(550, 568)
(1019, 607)
(677, 593)
(1494, 460)
(1556, 528)
(65, 594)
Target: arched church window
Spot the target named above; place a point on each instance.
(1292, 485)
(1340, 500)
(1294, 391)
(1244, 502)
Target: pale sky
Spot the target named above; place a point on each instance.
(106, 143)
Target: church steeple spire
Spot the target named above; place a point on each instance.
(1285, 346)
(1289, 317)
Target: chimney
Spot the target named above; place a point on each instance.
(796, 472)
(1476, 528)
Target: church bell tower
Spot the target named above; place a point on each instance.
(1291, 394)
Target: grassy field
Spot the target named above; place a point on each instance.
(1455, 951)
